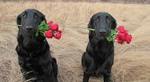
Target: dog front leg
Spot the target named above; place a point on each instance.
(28, 73)
(49, 74)
(105, 69)
(89, 64)
(55, 69)
(86, 77)
(107, 64)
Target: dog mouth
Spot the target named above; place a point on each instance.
(101, 36)
(28, 33)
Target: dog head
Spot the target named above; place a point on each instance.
(29, 21)
(102, 23)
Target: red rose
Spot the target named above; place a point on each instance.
(50, 23)
(121, 36)
(54, 27)
(53, 31)
(49, 34)
(121, 29)
(119, 41)
(128, 38)
(57, 34)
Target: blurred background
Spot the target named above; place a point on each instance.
(113, 1)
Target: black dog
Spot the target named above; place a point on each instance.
(34, 56)
(99, 56)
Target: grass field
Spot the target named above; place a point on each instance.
(132, 62)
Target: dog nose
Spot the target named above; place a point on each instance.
(103, 33)
(29, 28)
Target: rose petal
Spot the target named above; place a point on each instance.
(128, 39)
(121, 29)
(49, 34)
(57, 34)
(50, 23)
(54, 27)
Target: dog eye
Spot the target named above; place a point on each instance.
(35, 16)
(97, 20)
(107, 19)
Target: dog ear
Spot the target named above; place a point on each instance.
(114, 24)
(90, 23)
(19, 20)
(91, 35)
(42, 16)
(90, 26)
(44, 19)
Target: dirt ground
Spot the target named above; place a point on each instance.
(132, 62)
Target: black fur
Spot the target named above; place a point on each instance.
(99, 56)
(34, 56)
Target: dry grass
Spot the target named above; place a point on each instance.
(132, 62)
(112, 1)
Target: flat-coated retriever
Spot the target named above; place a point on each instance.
(99, 56)
(34, 56)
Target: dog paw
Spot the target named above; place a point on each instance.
(100, 71)
(108, 80)
(89, 71)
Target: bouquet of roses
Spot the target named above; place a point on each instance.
(123, 35)
(120, 35)
(49, 30)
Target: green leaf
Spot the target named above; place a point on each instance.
(42, 28)
(112, 35)
(37, 34)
